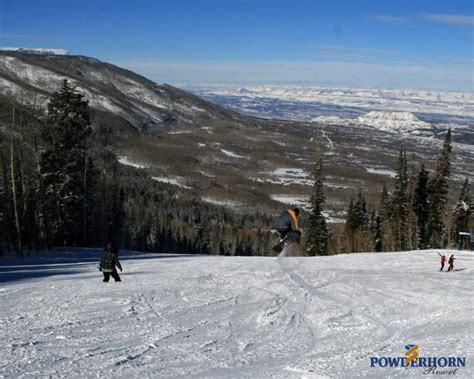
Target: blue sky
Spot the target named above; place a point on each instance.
(427, 44)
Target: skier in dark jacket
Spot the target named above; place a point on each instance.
(451, 262)
(288, 227)
(109, 261)
(442, 261)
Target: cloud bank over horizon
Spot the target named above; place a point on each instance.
(325, 73)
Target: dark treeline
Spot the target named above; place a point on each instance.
(415, 215)
(60, 185)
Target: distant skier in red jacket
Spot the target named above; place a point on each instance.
(442, 260)
(451, 262)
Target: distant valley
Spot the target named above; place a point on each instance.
(419, 113)
(250, 151)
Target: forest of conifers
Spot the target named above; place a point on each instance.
(61, 185)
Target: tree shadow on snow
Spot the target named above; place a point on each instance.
(13, 274)
(37, 265)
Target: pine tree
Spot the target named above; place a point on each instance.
(358, 225)
(438, 197)
(399, 204)
(384, 215)
(384, 205)
(357, 216)
(3, 207)
(420, 206)
(351, 219)
(63, 164)
(376, 230)
(317, 234)
(360, 211)
(463, 215)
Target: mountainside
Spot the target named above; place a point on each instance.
(136, 101)
(229, 317)
(206, 152)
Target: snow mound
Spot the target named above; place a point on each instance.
(398, 122)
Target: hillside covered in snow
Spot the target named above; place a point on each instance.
(118, 97)
(401, 111)
(207, 316)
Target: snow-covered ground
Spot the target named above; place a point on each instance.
(176, 181)
(231, 154)
(229, 317)
(401, 111)
(460, 103)
(127, 162)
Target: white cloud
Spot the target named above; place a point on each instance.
(397, 74)
(390, 19)
(352, 49)
(353, 54)
(451, 19)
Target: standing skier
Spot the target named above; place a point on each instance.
(288, 227)
(451, 262)
(442, 261)
(109, 261)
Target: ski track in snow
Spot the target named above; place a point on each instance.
(197, 316)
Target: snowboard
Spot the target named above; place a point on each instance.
(280, 245)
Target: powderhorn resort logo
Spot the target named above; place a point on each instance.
(431, 365)
(411, 353)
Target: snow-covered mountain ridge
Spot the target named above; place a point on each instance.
(389, 121)
(419, 113)
(392, 121)
(36, 50)
(32, 78)
(441, 102)
(232, 317)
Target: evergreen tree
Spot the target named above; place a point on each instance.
(361, 215)
(351, 219)
(463, 215)
(357, 216)
(384, 205)
(63, 164)
(438, 197)
(317, 234)
(384, 215)
(90, 228)
(376, 230)
(420, 206)
(358, 225)
(399, 204)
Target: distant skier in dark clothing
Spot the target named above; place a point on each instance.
(288, 227)
(109, 261)
(451, 262)
(442, 261)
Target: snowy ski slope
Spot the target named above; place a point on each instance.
(232, 317)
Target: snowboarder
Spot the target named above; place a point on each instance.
(287, 226)
(109, 261)
(451, 262)
(442, 260)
